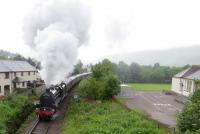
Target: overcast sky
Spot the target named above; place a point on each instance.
(117, 26)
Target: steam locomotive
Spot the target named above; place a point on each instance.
(54, 95)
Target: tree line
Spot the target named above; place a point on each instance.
(5, 55)
(136, 73)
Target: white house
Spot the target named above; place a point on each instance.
(15, 74)
(184, 82)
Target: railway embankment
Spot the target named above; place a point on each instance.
(87, 116)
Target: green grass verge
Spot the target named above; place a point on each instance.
(106, 118)
(26, 123)
(149, 87)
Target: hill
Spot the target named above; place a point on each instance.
(170, 57)
(6, 55)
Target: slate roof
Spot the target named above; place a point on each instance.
(192, 72)
(15, 66)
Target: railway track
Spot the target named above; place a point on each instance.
(51, 127)
(39, 127)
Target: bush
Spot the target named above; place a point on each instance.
(111, 87)
(105, 89)
(13, 112)
(106, 118)
(189, 117)
(90, 88)
(103, 84)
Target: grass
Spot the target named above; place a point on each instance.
(26, 123)
(86, 117)
(149, 87)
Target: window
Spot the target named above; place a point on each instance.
(22, 74)
(29, 73)
(0, 89)
(15, 74)
(189, 85)
(7, 75)
(33, 73)
(181, 85)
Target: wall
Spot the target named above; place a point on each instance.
(183, 86)
(4, 82)
(25, 76)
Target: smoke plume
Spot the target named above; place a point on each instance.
(55, 30)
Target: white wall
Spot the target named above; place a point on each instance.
(187, 88)
(33, 76)
(4, 82)
(27, 77)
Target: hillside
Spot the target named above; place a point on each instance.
(6, 55)
(171, 57)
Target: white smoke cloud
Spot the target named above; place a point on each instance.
(55, 30)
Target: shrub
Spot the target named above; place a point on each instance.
(13, 113)
(103, 84)
(90, 88)
(104, 89)
(189, 118)
(106, 118)
(111, 87)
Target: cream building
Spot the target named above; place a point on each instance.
(184, 82)
(16, 74)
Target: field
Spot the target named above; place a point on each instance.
(149, 87)
(86, 117)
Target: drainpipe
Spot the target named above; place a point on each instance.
(181, 86)
(11, 83)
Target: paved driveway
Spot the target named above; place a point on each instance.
(156, 104)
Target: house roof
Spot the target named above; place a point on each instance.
(15, 66)
(192, 72)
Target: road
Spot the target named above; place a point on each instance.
(157, 105)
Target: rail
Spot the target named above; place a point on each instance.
(39, 127)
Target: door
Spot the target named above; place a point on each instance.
(6, 90)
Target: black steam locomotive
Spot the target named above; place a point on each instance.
(54, 95)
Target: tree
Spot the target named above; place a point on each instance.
(186, 66)
(31, 61)
(156, 65)
(103, 68)
(111, 87)
(103, 84)
(78, 68)
(146, 73)
(134, 72)
(123, 71)
(89, 88)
